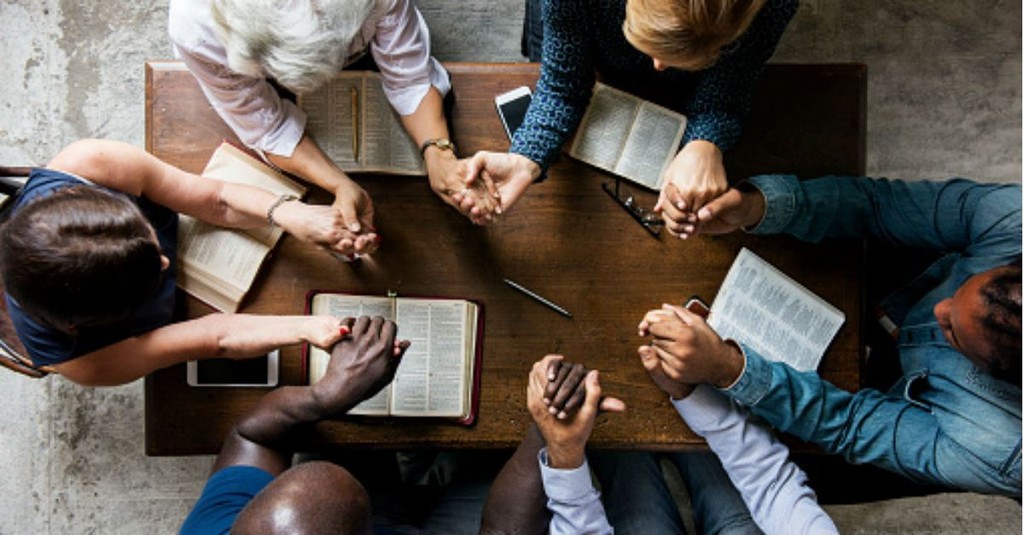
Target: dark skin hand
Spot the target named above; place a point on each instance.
(565, 390)
(361, 365)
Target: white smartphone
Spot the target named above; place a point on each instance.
(512, 107)
(254, 372)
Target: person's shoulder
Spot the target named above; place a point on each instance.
(190, 24)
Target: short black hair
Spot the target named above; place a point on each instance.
(1002, 295)
(79, 256)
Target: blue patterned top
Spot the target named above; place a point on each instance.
(584, 37)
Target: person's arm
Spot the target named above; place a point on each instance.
(773, 487)
(360, 366)
(232, 336)
(979, 220)
(714, 113)
(127, 168)
(566, 82)
(574, 503)
(864, 427)
(516, 502)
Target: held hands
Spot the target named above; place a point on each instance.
(361, 364)
(356, 210)
(565, 432)
(685, 351)
(695, 177)
(480, 202)
(506, 176)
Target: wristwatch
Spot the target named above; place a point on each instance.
(442, 143)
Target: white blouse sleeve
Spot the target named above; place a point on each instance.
(250, 106)
(401, 48)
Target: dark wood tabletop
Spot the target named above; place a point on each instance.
(565, 239)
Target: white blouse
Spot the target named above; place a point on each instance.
(397, 37)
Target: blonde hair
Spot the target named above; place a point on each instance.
(300, 43)
(687, 34)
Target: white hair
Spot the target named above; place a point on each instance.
(300, 43)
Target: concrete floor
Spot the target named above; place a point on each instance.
(944, 100)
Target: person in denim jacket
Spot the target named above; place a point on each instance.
(954, 417)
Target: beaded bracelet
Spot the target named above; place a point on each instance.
(280, 200)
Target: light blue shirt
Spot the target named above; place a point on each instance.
(574, 503)
(958, 426)
(774, 488)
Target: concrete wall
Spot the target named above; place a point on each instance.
(944, 99)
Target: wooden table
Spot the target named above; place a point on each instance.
(566, 239)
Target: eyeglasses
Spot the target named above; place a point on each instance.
(650, 221)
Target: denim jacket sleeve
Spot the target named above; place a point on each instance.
(982, 222)
(864, 427)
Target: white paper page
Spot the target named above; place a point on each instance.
(605, 127)
(230, 255)
(651, 145)
(388, 146)
(331, 118)
(430, 379)
(342, 306)
(765, 309)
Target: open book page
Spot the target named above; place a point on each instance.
(765, 309)
(605, 127)
(218, 260)
(651, 145)
(332, 118)
(341, 306)
(218, 265)
(386, 146)
(353, 122)
(433, 379)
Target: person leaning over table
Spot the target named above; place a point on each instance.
(233, 47)
(711, 51)
(87, 255)
(954, 417)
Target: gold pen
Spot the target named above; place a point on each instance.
(355, 122)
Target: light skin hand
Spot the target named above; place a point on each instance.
(695, 177)
(736, 208)
(356, 209)
(690, 351)
(361, 364)
(446, 174)
(325, 331)
(505, 175)
(566, 439)
(320, 225)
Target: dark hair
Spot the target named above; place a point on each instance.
(1002, 322)
(80, 256)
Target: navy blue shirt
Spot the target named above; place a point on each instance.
(46, 345)
(584, 37)
(226, 493)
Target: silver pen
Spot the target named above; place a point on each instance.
(538, 298)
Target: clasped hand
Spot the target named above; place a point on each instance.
(489, 184)
(361, 364)
(684, 351)
(695, 177)
(554, 392)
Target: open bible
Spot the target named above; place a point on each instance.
(218, 265)
(440, 373)
(628, 136)
(775, 315)
(353, 122)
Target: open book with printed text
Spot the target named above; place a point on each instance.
(775, 315)
(628, 136)
(440, 372)
(353, 122)
(218, 265)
